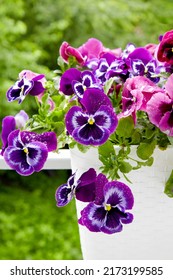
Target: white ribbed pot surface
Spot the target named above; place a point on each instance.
(150, 235)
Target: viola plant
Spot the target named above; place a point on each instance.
(98, 97)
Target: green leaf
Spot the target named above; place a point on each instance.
(108, 85)
(125, 167)
(145, 150)
(106, 150)
(169, 186)
(125, 127)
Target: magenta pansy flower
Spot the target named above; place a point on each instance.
(137, 91)
(160, 108)
(89, 50)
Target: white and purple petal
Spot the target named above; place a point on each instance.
(75, 118)
(63, 195)
(19, 90)
(36, 155)
(91, 135)
(93, 217)
(117, 194)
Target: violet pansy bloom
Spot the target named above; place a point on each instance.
(92, 124)
(27, 84)
(150, 70)
(109, 213)
(160, 108)
(110, 66)
(19, 90)
(83, 188)
(76, 82)
(28, 151)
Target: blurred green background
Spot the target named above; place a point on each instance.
(31, 32)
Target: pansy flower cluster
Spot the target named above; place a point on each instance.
(98, 97)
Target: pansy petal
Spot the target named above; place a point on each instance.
(105, 117)
(118, 194)
(127, 219)
(13, 156)
(37, 88)
(36, 155)
(67, 78)
(93, 99)
(47, 138)
(88, 135)
(63, 195)
(112, 223)
(8, 125)
(14, 139)
(16, 159)
(93, 217)
(24, 169)
(75, 118)
(85, 189)
(101, 180)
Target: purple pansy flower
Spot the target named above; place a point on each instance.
(160, 108)
(110, 66)
(28, 83)
(150, 70)
(108, 213)
(75, 81)
(19, 90)
(92, 124)
(27, 151)
(83, 188)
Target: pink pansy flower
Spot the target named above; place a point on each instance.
(89, 50)
(152, 48)
(136, 93)
(92, 49)
(160, 108)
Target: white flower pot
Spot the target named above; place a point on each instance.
(150, 235)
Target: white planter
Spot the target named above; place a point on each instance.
(150, 235)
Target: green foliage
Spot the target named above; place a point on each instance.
(31, 226)
(169, 186)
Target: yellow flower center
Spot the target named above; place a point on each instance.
(91, 120)
(26, 150)
(108, 207)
